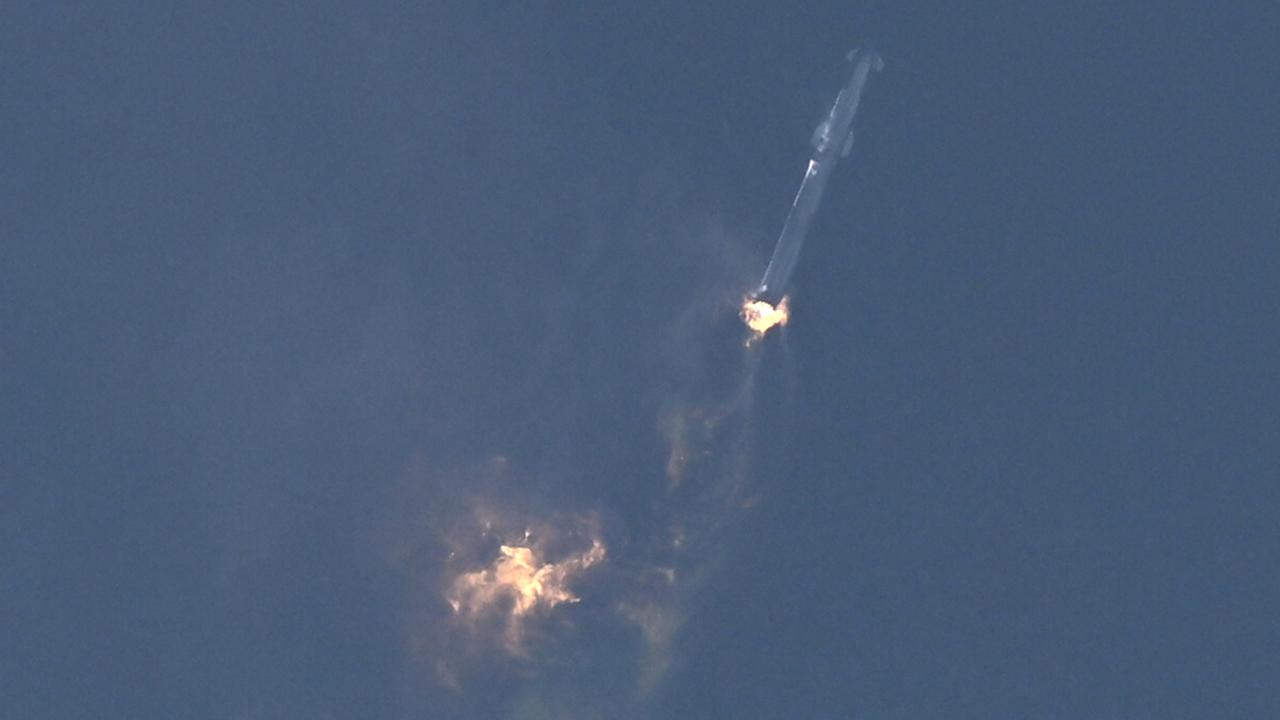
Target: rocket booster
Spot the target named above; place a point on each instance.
(832, 140)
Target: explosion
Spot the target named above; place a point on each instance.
(522, 583)
(760, 316)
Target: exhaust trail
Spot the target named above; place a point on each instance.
(543, 604)
(832, 140)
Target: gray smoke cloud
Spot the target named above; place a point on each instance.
(481, 436)
(562, 569)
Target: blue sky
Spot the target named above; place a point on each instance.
(306, 314)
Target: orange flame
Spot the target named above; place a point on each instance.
(760, 316)
(521, 577)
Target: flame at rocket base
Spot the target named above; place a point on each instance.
(761, 316)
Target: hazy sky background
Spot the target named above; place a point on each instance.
(291, 298)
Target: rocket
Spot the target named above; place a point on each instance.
(831, 141)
